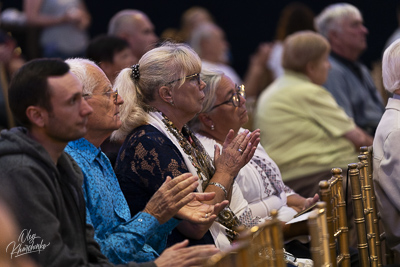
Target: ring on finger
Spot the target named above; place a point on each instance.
(206, 216)
(240, 150)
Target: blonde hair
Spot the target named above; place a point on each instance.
(158, 67)
(212, 78)
(330, 18)
(301, 48)
(391, 67)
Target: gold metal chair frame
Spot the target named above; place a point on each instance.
(318, 227)
(331, 192)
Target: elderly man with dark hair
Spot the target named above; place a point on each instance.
(121, 237)
(42, 184)
(349, 81)
(386, 150)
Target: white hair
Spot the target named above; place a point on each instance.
(391, 67)
(78, 66)
(330, 18)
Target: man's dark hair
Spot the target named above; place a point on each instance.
(29, 86)
(104, 47)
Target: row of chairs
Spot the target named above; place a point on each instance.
(263, 245)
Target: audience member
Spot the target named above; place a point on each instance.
(64, 24)
(122, 238)
(10, 62)
(303, 129)
(41, 183)
(294, 17)
(349, 81)
(386, 150)
(162, 93)
(190, 19)
(111, 53)
(208, 41)
(259, 180)
(136, 28)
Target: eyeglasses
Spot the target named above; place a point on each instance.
(196, 75)
(108, 94)
(235, 98)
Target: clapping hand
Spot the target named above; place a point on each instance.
(201, 213)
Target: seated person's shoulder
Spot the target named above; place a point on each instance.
(147, 134)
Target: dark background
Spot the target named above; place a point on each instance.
(246, 23)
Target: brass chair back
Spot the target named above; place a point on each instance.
(318, 227)
(332, 193)
(239, 255)
(366, 243)
(267, 247)
(372, 218)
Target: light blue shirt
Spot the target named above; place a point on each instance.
(122, 239)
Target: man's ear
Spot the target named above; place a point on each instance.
(206, 120)
(165, 94)
(36, 115)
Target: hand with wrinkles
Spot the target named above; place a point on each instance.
(172, 196)
(198, 212)
(236, 151)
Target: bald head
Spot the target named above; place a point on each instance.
(136, 28)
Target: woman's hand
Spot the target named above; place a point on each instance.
(236, 151)
(300, 203)
(198, 212)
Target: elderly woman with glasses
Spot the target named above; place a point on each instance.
(162, 93)
(259, 180)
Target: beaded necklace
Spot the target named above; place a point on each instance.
(205, 170)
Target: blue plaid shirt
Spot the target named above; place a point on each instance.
(122, 239)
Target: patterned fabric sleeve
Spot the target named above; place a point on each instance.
(146, 158)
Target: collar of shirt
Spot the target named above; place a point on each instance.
(352, 65)
(86, 149)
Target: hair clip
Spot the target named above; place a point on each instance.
(135, 72)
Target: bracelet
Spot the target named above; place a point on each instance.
(220, 186)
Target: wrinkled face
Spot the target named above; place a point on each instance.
(353, 33)
(188, 98)
(227, 116)
(68, 118)
(105, 117)
(320, 70)
(142, 37)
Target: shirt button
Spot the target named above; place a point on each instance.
(140, 220)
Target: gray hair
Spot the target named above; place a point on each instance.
(158, 67)
(123, 21)
(78, 66)
(212, 78)
(200, 33)
(391, 67)
(330, 18)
